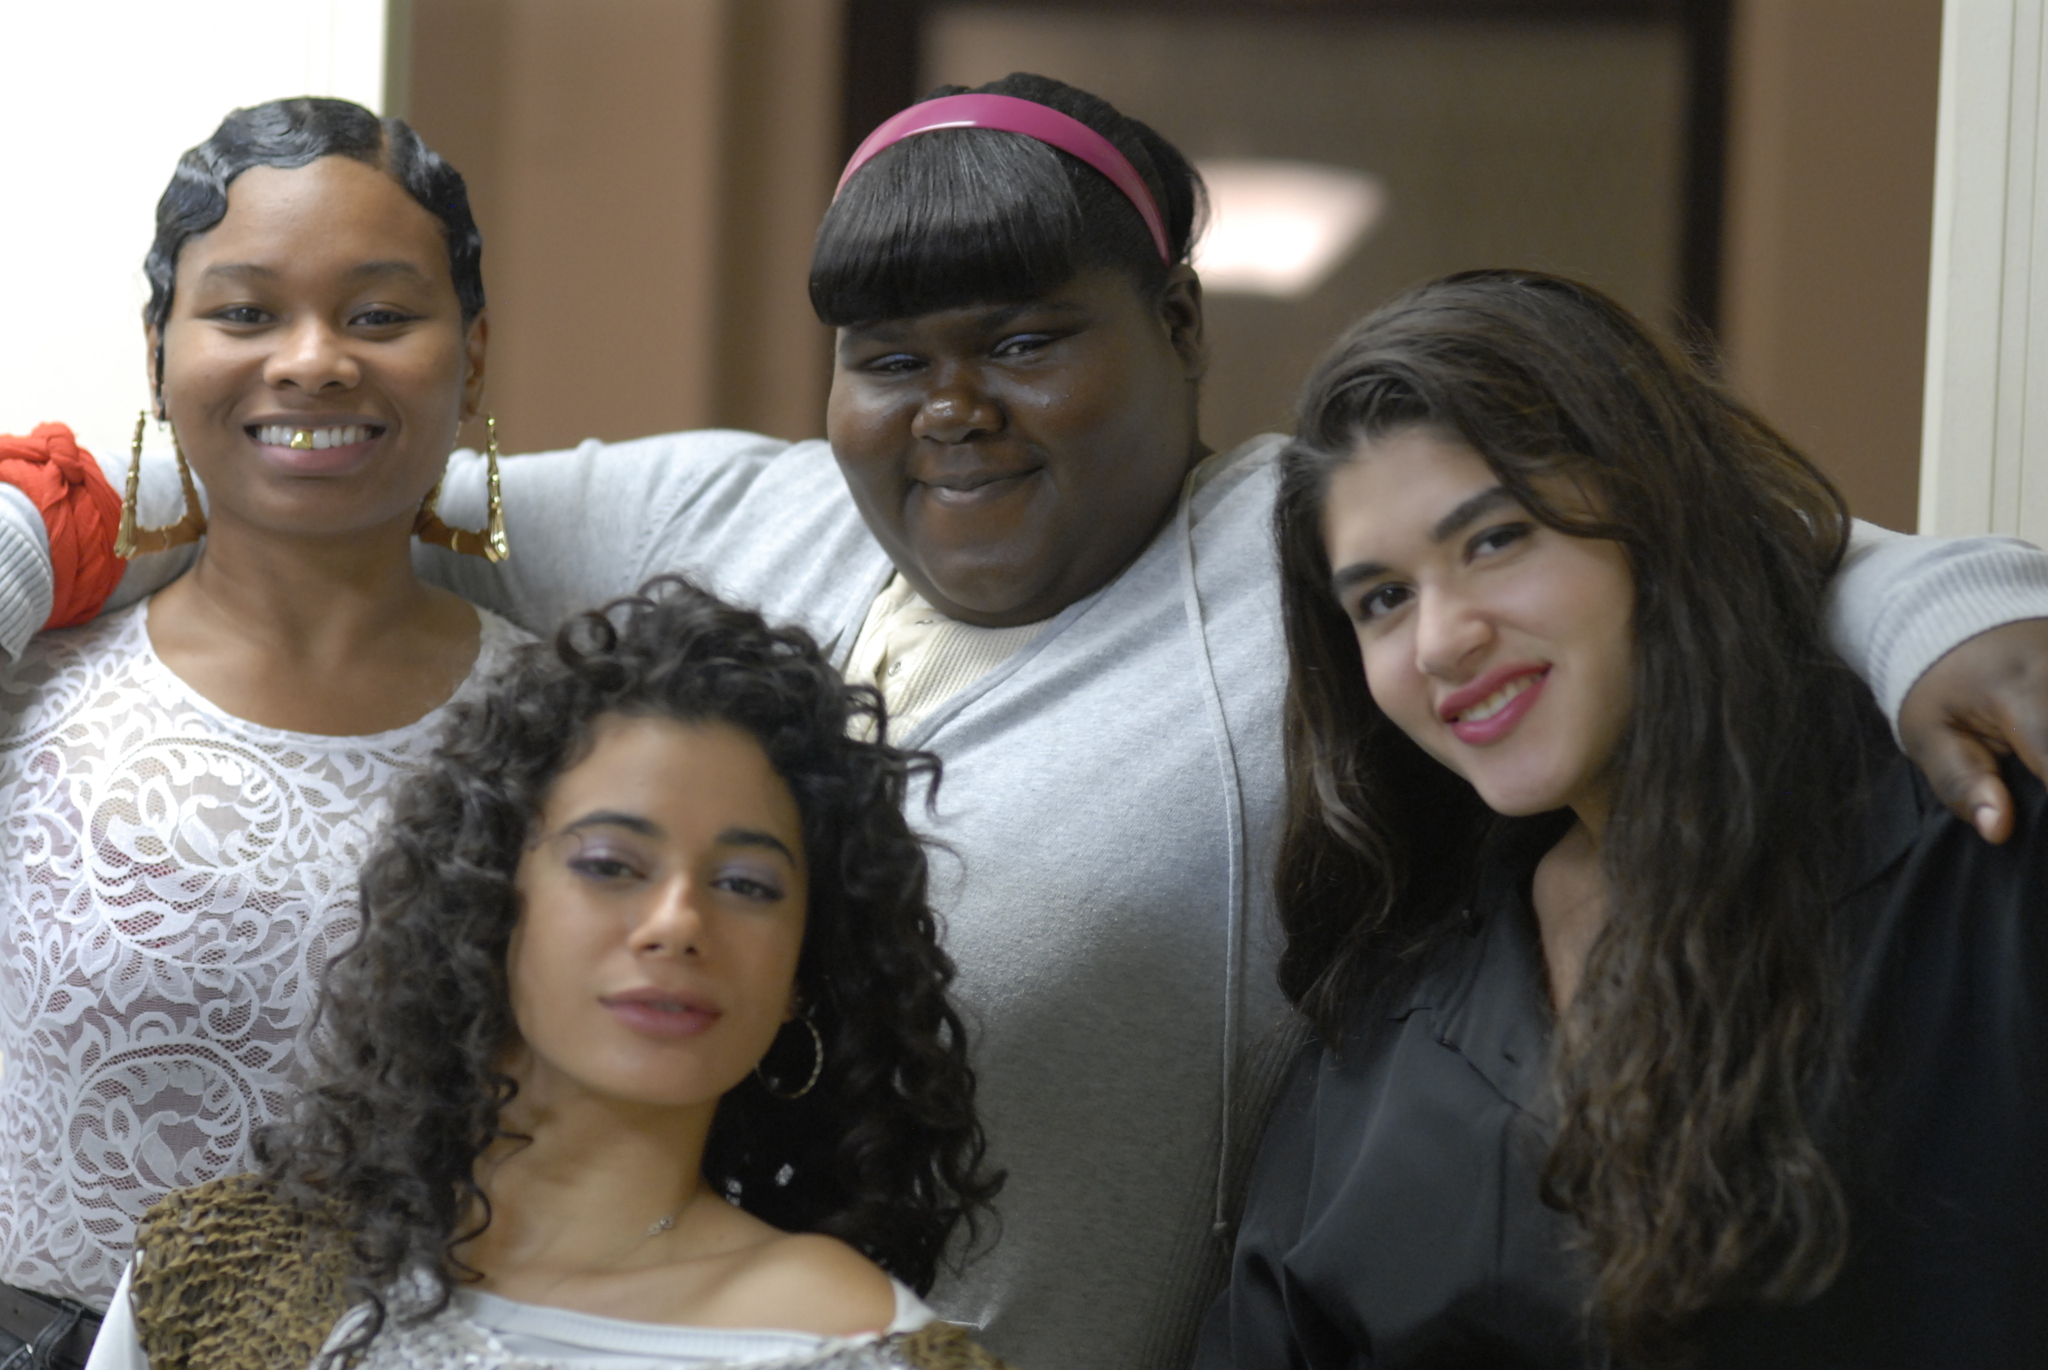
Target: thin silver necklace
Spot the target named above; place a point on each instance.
(665, 1223)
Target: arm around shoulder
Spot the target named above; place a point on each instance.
(1901, 601)
(59, 512)
(592, 522)
(1952, 635)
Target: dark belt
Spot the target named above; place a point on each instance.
(52, 1332)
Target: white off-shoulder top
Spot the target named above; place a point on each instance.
(481, 1331)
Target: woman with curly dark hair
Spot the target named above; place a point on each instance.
(1664, 1014)
(645, 1053)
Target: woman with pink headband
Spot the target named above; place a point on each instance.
(1017, 535)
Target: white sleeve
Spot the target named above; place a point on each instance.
(911, 1311)
(119, 1346)
(1901, 602)
(27, 588)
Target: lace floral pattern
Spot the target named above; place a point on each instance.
(172, 883)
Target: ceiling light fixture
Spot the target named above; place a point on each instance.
(1280, 228)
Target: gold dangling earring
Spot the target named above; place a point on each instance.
(133, 540)
(490, 544)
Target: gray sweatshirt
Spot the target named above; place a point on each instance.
(1110, 801)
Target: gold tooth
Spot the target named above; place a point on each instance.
(302, 440)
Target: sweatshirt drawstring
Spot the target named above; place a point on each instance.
(1234, 821)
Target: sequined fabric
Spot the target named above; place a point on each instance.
(451, 1341)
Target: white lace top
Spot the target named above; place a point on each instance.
(172, 882)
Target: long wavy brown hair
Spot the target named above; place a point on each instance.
(1696, 1064)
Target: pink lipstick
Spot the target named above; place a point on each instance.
(661, 1013)
(1488, 709)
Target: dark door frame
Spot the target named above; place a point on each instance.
(884, 37)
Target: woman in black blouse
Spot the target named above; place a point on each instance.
(1663, 1014)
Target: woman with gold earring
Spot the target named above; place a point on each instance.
(192, 782)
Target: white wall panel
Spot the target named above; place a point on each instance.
(98, 100)
(1984, 453)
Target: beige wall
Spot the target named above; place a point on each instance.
(1831, 184)
(647, 174)
(1500, 143)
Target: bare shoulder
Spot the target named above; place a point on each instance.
(804, 1282)
(809, 1283)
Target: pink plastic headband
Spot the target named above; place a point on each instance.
(1012, 115)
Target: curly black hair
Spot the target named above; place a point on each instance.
(884, 1153)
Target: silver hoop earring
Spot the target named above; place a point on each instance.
(817, 1065)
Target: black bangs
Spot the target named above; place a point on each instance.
(969, 216)
(979, 216)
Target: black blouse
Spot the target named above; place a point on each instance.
(1394, 1218)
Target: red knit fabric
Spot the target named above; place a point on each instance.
(80, 510)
